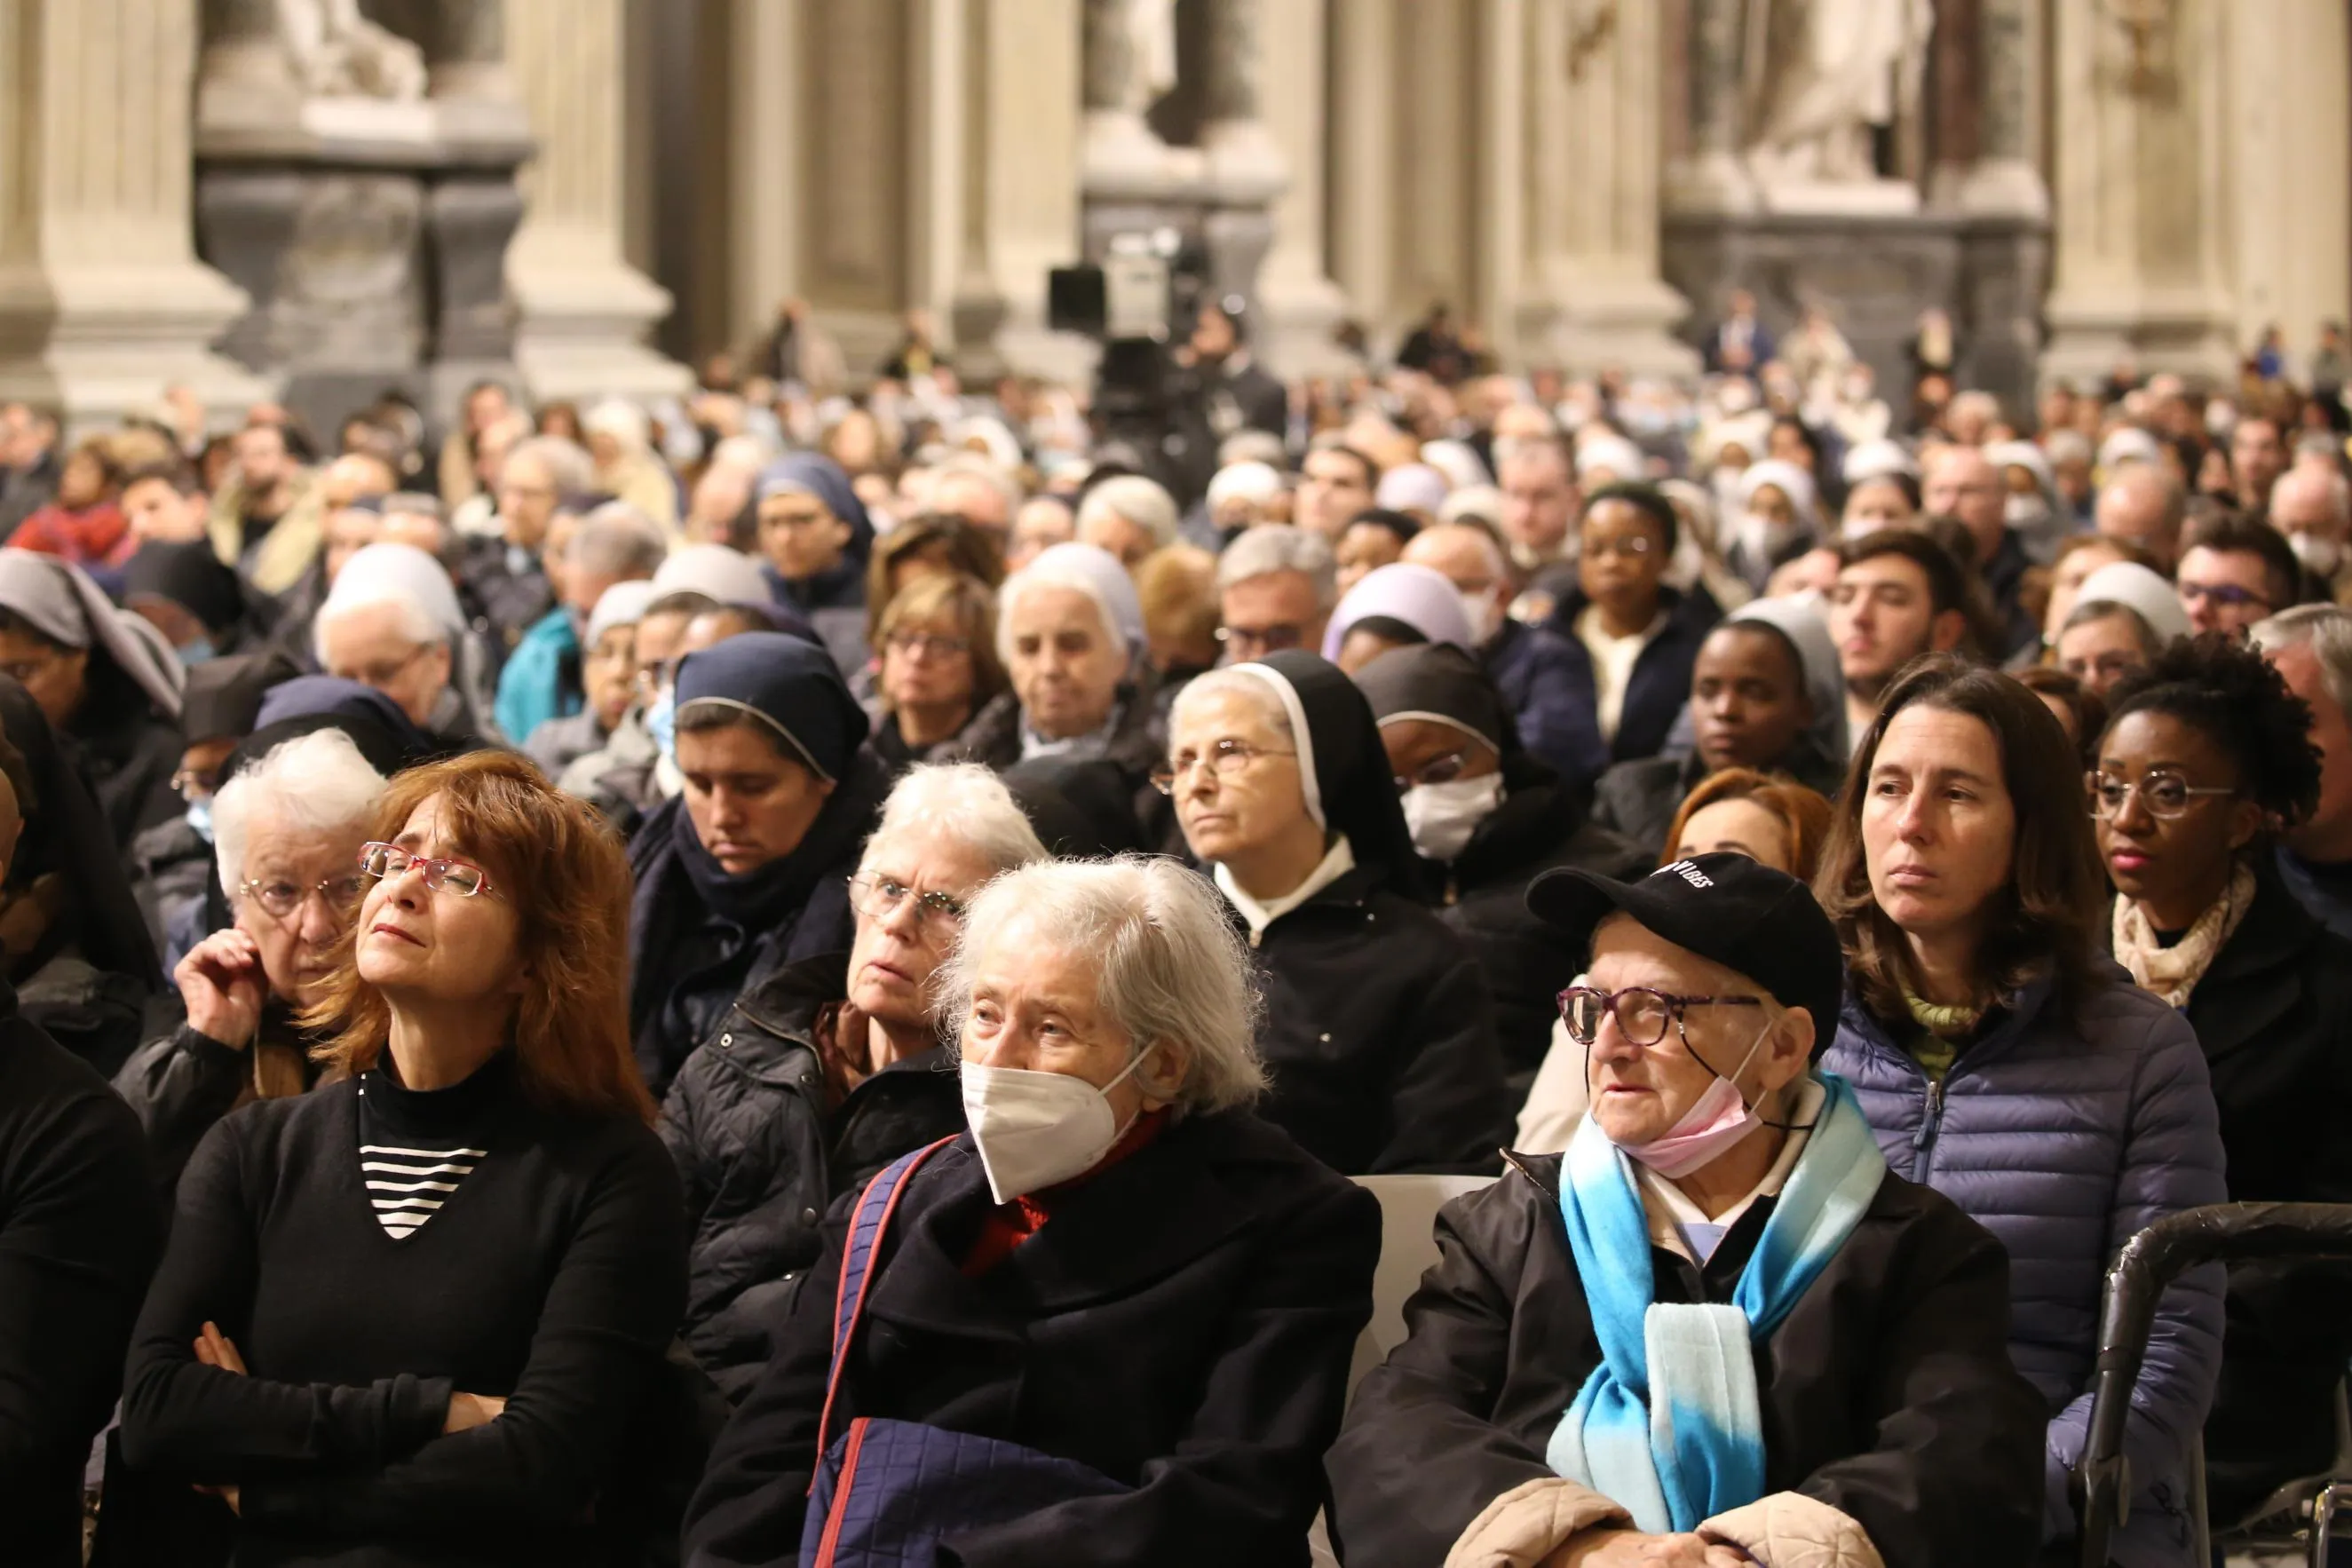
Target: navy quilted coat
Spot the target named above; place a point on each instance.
(2064, 1138)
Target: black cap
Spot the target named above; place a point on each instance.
(1735, 912)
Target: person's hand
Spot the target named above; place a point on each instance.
(217, 1349)
(222, 982)
(227, 1494)
(468, 1411)
(1612, 1547)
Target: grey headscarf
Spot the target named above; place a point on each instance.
(1800, 620)
(58, 599)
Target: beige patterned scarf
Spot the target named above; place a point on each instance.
(2172, 973)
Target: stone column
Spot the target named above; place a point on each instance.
(1020, 192)
(1242, 167)
(1710, 178)
(2141, 195)
(2290, 167)
(103, 303)
(1593, 298)
(1299, 301)
(2003, 178)
(583, 311)
(1361, 136)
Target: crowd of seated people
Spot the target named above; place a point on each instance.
(765, 980)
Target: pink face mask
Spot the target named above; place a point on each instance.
(1716, 1120)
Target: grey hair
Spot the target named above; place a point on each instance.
(1274, 547)
(618, 539)
(1140, 501)
(569, 467)
(1172, 968)
(2326, 631)
(417, 626)
(416, 501)
(1230, 682)
(2150, 645)
(963, 801)
(973, 465)
(309, 784)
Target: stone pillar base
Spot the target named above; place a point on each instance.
(100, 343)
(1297, 318)
(579, 332)
(1709, 182)
(2002, 187)
(2185, 331)
(1597, 324)
(2004, 273)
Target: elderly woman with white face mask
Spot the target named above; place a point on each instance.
(1716, 1332)
(286, 832)
(1142, 1294)
(1777, 519)
(1379, 1032)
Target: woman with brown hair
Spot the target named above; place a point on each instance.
(2001, 1060)
(1768, 817)
(932, 544)
(412, 1315)
(936, 644)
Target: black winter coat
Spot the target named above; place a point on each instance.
(2274, 1015)
(1526, 962)
(1140, 744)
(1660, 684)
(1379, 1035)
(763, 1156)
(1639, 799)
(1182, 1323)
(1887, 1392)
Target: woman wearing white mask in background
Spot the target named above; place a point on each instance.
(1776, 519)
(1491, 818)
(1116, 1265)
(1378, 1033)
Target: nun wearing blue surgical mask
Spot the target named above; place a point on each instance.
(747, 868)
(1378, 1032)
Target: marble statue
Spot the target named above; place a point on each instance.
(1822, 76)
(1151, 48)
(335, 52)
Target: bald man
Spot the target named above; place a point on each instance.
(2141, 506)
(2311, 505)
(1534, 669)
(79, 1231)
(1963, 483)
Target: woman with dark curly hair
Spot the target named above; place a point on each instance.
(2208, 754)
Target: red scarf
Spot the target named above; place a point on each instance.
(1010, 1224)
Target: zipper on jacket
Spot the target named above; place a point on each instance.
(1924, 1141)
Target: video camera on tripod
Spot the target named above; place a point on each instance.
(1139, 303)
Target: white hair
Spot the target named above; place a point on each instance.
(1140, 501)
(2326, 631)
(1170, 968)
(307, 784)
(961, 801)
(1232, 682)
(973, 465)
(415, 623)
(618, 539)
(1274, 547)
(569, 467)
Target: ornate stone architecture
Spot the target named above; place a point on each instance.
(582, 193)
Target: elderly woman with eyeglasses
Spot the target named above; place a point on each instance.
(2208, 754)
(1380, 1028)
(287, 833)
(1117, 1266)
(419, 1315)
(833, 1067)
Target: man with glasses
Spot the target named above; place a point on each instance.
(287, 835)
(1703, 1334)
(2235, 572)
(1276, 587)
(832, 1068)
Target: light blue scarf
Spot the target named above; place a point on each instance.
(1669, 1425)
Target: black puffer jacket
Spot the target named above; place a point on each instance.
(763, 1156)
(1887, 1392)
(2274, 1015)
(1541, 825)
(1379, 1035)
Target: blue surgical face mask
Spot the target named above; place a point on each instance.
(661, 722)
(197, 652)
(200, 816)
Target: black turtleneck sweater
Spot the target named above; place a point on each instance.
(553, 1274)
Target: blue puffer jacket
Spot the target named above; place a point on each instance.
(2064, 1138)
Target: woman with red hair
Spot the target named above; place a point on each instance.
(414, 1315)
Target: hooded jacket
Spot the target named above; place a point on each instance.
(2066, 1136)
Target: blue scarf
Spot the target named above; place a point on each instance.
(1669, 1425)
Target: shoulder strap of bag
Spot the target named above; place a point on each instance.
(872, 1218)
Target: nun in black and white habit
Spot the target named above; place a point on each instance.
(1378, 1036)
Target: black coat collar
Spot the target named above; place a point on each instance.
(2257, 977)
